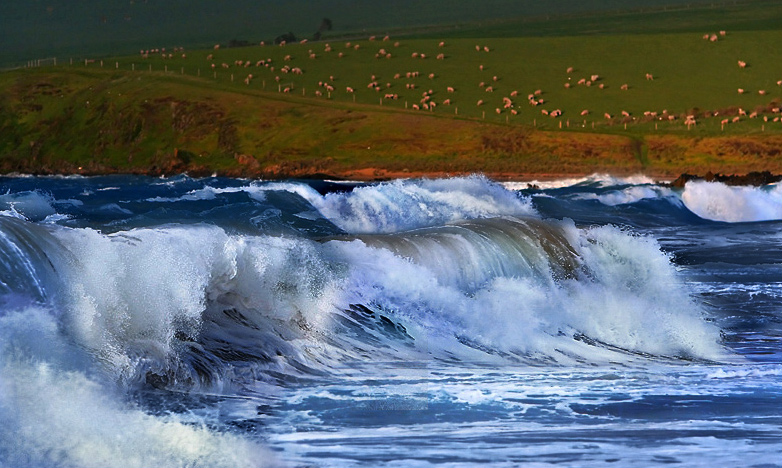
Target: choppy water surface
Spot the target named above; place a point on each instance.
(413, 323)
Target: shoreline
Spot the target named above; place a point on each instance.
(372, 175)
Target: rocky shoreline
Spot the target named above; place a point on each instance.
(755, 179)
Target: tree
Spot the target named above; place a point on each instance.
(289, 38)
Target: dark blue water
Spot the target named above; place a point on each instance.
(451, 322)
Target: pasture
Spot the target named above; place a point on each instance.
(689, 98)
(645, 83)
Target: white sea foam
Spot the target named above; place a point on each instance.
(409, 204)
(629, 195)
(630, 299)
(719, 202)
(56, 413)
(34, 206)
(601, 180)
(392, 206)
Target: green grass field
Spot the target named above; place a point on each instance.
(691, 76)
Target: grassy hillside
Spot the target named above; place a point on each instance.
(691, 76)
(94, 121)
(662, 103)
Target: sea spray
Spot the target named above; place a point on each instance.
(336, 325)
(719, 202)
(58, 412)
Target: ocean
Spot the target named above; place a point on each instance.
(456, 322)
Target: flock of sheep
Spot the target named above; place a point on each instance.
(407, 85)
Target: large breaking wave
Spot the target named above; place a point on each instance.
(455, 269)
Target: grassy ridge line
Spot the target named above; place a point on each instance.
(162, 124)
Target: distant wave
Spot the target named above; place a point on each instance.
(719, 202)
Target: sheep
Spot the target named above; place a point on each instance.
(441, 44)
(569, 70)
(585, 112)
(489, 89)
(762, 92)
(624, 87)
(741, 90)
(450, 89)
(349, 89)
(735, 119)
(742, 64)
(447, 102)
(649, 77)
(607, 116)
(480, 102)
